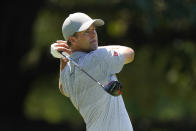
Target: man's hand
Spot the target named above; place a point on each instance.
(59, 46)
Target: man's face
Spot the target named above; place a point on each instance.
(87, 40)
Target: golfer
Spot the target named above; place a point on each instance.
(100, 110)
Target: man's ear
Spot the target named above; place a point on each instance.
(71, 39)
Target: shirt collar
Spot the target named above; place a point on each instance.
(77, 54)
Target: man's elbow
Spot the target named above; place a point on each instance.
(130, 56)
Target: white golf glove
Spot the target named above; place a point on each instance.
(54, 52)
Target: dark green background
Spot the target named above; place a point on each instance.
(159, 86)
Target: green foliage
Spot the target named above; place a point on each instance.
(44, 102)
(159, 84)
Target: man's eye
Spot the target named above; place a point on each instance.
(89, 31)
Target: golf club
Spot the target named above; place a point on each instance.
(113, 87)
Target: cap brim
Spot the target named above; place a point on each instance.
(96, 22)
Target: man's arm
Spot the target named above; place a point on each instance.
(63, 63)
(60, 46)
(127, 52)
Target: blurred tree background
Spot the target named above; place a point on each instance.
(159, 86)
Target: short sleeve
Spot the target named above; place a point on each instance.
(108, 59)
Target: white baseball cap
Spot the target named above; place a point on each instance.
(78, 22)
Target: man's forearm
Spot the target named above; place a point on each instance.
(62, 66)
(110, 46)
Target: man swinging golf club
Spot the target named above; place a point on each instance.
(89, 79)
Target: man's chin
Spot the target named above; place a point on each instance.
(92, 49)
(94, 46)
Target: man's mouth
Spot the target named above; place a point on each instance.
(92, 41)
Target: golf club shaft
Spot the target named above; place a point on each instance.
(71, 60)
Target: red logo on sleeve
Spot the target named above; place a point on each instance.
(115, 53)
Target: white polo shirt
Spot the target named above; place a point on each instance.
(100, 110)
